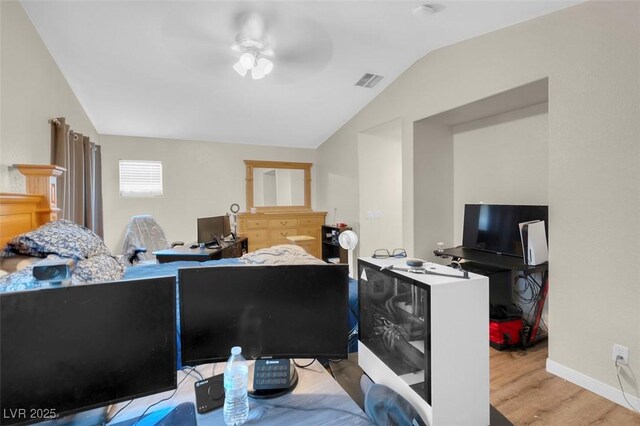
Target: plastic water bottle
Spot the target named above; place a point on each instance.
(236, 378)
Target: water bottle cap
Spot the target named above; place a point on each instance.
(236, 350)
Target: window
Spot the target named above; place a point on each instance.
(139, 178)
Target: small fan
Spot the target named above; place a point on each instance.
(349, 240)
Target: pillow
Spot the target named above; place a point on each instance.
(62, 237)
(101, 267)
(16, 263)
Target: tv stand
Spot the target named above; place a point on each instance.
(495, 265)
(272, 393)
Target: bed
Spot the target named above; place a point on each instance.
(164, 269)
(19, 217)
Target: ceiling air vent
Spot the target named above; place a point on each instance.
(369, 80)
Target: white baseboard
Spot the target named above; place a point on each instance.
(595, 386)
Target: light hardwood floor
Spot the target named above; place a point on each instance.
(523, 391)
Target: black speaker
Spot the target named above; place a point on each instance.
(56, 270)
(209, 393)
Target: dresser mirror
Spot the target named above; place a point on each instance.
(278, 186)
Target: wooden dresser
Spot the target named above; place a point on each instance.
(269, 229)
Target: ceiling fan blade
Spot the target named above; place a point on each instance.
(201, 44)
(301, 49)
(251, 25)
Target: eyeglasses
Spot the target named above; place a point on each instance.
(384, 253)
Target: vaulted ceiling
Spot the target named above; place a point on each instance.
(164, 68)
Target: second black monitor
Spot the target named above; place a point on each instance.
(210, 226)
(284, 311)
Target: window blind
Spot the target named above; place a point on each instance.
(139, 178)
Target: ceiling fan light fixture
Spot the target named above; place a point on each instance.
(247, 60)
(265, 65)
(257, 73)
(240, 69)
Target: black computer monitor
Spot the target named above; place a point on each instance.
(276, 311)
(65, 350)
(210, 226)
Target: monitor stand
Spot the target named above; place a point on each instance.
(272, 393)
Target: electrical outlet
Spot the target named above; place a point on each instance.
(622, 352)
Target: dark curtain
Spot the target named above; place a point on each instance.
(80, 189)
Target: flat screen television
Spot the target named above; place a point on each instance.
(494, 227)
(276, 311)
(210, 226)
(75, 348)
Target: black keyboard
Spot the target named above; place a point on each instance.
(271, 374)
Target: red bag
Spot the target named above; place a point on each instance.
(505, 333)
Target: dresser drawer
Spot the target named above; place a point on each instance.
(256, 235)
(279, 236)
(257, 245)
(309, 247)
(308, 221)
(311, 232)
(283, 223)
(257, 223)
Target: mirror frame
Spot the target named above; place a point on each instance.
(257, 164)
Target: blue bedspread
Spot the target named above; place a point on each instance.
(171, 269)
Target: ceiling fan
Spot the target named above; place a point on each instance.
(214, 37)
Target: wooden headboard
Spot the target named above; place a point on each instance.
(20, 213)
(17, 215)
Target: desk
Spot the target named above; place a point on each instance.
(318, 400)
(230, 249)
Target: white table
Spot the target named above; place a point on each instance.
(317, 400)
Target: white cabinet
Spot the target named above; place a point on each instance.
(425, 336)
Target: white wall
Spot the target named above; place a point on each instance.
(33, 91)
(591, 55)
(502, 159)
(433, 188)
(380, 178)
(200, 179)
